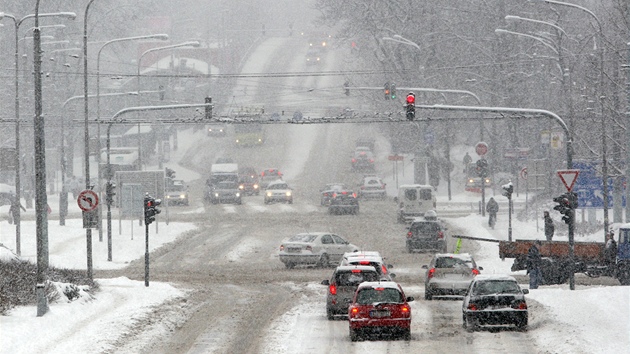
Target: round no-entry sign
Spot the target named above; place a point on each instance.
(481, 148)
(87, 200)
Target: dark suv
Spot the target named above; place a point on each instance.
(342, 286)
(426, 235)
(343, 202)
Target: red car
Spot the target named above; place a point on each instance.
(380, 308)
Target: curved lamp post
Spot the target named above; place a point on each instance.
(172, 46)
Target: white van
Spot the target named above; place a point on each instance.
(414, 200)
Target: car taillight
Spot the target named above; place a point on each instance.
(309, 248)
(383, 269)
(431, 273)
(404, 309)
(354, 160)
(440, 234)
(520, 305)
(356, 271)
(354, 195)
(332, 289)
(475, 271)
(409, 234)
(281, 247)
(364, 262)
(473, 307)
(354, 311)
(371, 160)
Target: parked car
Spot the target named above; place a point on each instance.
(177, 193)
(449, 274)
(372, 187)
(278, 191)
(371, 258)
(426, 235)
(269, 175)
(344, 202)
(248, 182)
(314, 248)
(494, 300)
(362, 161)
(342, 286)
(379, 308)
(225, 192)
(327, 191)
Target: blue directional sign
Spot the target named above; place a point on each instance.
(590, 188)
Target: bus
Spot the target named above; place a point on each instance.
(249, 134)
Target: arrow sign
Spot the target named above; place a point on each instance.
(568, 178)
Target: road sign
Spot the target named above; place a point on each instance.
(524, 173)
(568, 178)
(87, 200)
(395, 157)
(590, 187)
(481, 148)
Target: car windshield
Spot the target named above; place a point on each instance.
(278, 186)
(227, 185)
(452, 262)
(426, 227)
(373, 182)
(496, 287)
(177, 188)
(308, 238)
(354, 278)
(377, 295)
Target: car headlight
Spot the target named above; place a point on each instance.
(269, 194)
(238, 194)
(168, 197)
(255, 186)
(216, 195)
(182, 196)
(241, 187)
(288, 193)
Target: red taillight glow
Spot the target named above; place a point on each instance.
(475, 271)
(354, 310)
(344, 192)
(356, 271)
(332, 289)
(431, 273)
(379, 289)
(354, 195)
(404, 309)
(309, 248)
(354, 160)
(364, 262)
(383, 269)
(440, 234)
(371, 160)
(472, 307)
(281, 247)
(521, 305)
(409, 234)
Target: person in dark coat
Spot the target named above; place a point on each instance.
(534, 261)
(467, 161)
(13, 210)
(610, 250)
(492, 208)
(549, 226)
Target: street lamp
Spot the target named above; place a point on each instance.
(17, 23)
(98, 110)
(172, 46)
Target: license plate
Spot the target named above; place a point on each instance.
(294, 250)
(380, 313)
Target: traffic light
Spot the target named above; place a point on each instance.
(567, 203)
(209, 108)
(392, 91)
(410, 106)
(346, 85)
(150, 209)
(482, 168)
(508, 189)
(387, 91)
(110, 188)
(161, 90)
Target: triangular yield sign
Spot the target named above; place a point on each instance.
(568, 178)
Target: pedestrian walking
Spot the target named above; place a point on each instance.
(467, 161)
(492, 208)
(610, 250)
(550, 228)
(534, 261)
(14, 209)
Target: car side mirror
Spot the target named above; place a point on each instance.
(390, 266)
(410, 298)
(525, 291)
(424, 266)
(326, 282)
(392, 275)
(480, 268)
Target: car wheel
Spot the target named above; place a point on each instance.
(289, 265)
(354, 335)
(471, 324)
(324, 260)
(266, 201)
(409, 248)
(406, 334)
(290, 201)
(428, 295)
(521, 324)
(330, 315)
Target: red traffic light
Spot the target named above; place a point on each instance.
(411, 99)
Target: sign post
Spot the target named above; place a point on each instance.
(568, 178)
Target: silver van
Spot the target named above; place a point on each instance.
(414, 200)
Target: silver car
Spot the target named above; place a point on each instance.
(314, 248)
(449, 274)
(278, 191)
